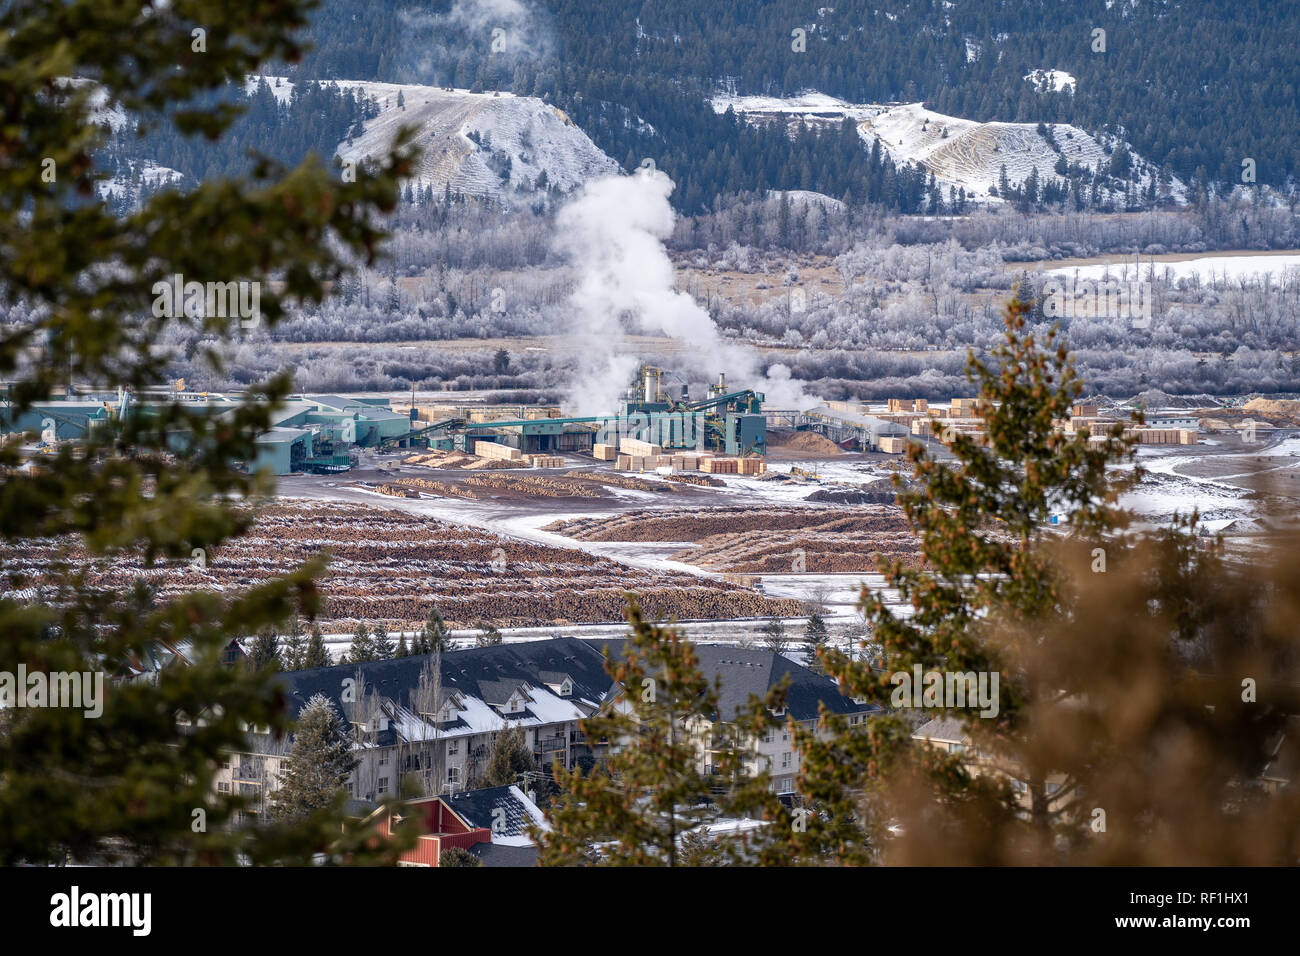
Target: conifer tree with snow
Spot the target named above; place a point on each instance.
(315, 775)
(402, 649)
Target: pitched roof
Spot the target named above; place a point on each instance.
(477, 676)
(506, 811)
(496, 854)
(754, 671)
(946, 730)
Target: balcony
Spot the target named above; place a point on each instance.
(550, 744)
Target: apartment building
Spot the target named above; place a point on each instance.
(433, 717)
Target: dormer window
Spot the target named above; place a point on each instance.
(566, 688)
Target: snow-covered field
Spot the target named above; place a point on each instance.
(1206, 269)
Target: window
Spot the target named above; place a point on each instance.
(1052, 788)
(223, 787)
(383, 758)
(453, 774)
(785, 760)
(383, 784)
(453, 746)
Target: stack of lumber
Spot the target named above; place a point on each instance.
(490, 449)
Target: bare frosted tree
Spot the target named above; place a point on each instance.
(427, 701)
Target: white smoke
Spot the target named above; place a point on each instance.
(512, 30)
(613, 233)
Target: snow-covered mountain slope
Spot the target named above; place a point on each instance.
(494, 145)
(132, 176)
(959, 152)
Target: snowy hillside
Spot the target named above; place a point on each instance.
(959, 152)
(485, 144)
(132, 176)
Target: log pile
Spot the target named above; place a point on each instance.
(704, 480)
(393, 566)
(763, 540)
(621, 481)
(534, 486)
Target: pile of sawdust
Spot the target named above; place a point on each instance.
(1282, 408)
(805, 443)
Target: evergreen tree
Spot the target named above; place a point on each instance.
(774, 635)
(363, 646)
(318, 654)
(455, 856)
(402, 649)
(434, 637)
(509, 758)
(651, 791)
(382, 643)
(294, 649)
(815, 636)
(264, 650)
(125, 785)
(319, 764)
(1077, 628)
(487, 636)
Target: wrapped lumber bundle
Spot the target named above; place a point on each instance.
(603, 452)
(637, 448)
(490, 449)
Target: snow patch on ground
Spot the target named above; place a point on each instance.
(1205, 269)
(1047, 80)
